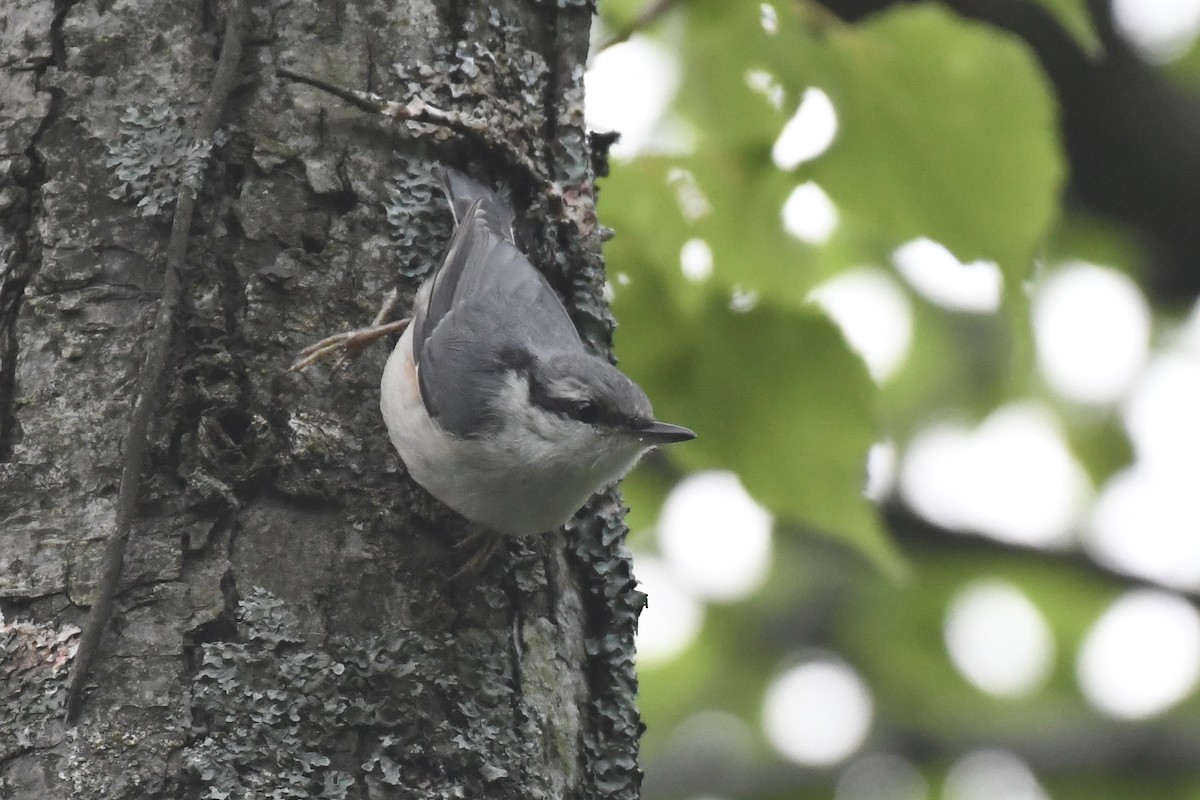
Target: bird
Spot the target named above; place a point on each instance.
(491, 398)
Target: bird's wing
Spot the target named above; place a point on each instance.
(488, 311)
(462, 191)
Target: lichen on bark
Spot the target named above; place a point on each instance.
(285, 625)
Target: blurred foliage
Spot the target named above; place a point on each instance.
(947, 128)
(1074, 17)
(982, 178)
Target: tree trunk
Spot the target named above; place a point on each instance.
(285, 624)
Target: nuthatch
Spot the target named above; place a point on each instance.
(491, 397)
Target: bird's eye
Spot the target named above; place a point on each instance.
(587, 412)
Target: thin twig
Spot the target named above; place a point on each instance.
(648, 16)
(417, 110)
(153, 367)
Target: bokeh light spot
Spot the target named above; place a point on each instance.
(874, 315)
(808, 133)
(991, 775)
(696, 260)
(1161, 413)
(1013, 478)
(817, 713)
(693, 204)
(628, 88)
(940, 278)
(1161, 30)
(1142, 656)
(1092, 328)
(809, 214)
(672, 617)
(714, 537)
(998, 639)
(1146, 522)
(742, 300)
(768, 17)
(764, 83)
(881, 470)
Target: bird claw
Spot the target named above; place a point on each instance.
(484, 543)
(351, 343)
(348, 343)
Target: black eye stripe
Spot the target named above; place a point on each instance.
(588, 412)
(566, 406)
(580, 404)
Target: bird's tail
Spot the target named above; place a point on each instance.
(462, 191)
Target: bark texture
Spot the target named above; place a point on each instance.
(284, 625)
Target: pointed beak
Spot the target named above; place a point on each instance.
(656, 432)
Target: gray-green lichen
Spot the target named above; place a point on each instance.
(488, 74)
(34, 659)
(154, 157)
(612, 597)
(414, 211)
(397, 715)
(375, 677)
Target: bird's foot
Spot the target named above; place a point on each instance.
(482, 544)
(350, 343)
(347, 343)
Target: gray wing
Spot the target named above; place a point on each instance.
(462, 191)
(489, 310)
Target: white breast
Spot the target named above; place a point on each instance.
(512, 482)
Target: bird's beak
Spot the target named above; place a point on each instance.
(664, 433)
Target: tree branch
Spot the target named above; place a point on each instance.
(645, 18)
(417, 110)
(911, 530)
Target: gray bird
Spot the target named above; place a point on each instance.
(490, 397)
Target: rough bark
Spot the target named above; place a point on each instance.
(284, 625)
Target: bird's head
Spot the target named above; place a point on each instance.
(579, 411)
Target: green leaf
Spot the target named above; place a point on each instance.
(743, 194)
(725, 42)
(775, 395)
(1074, 17)
(947, 129)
